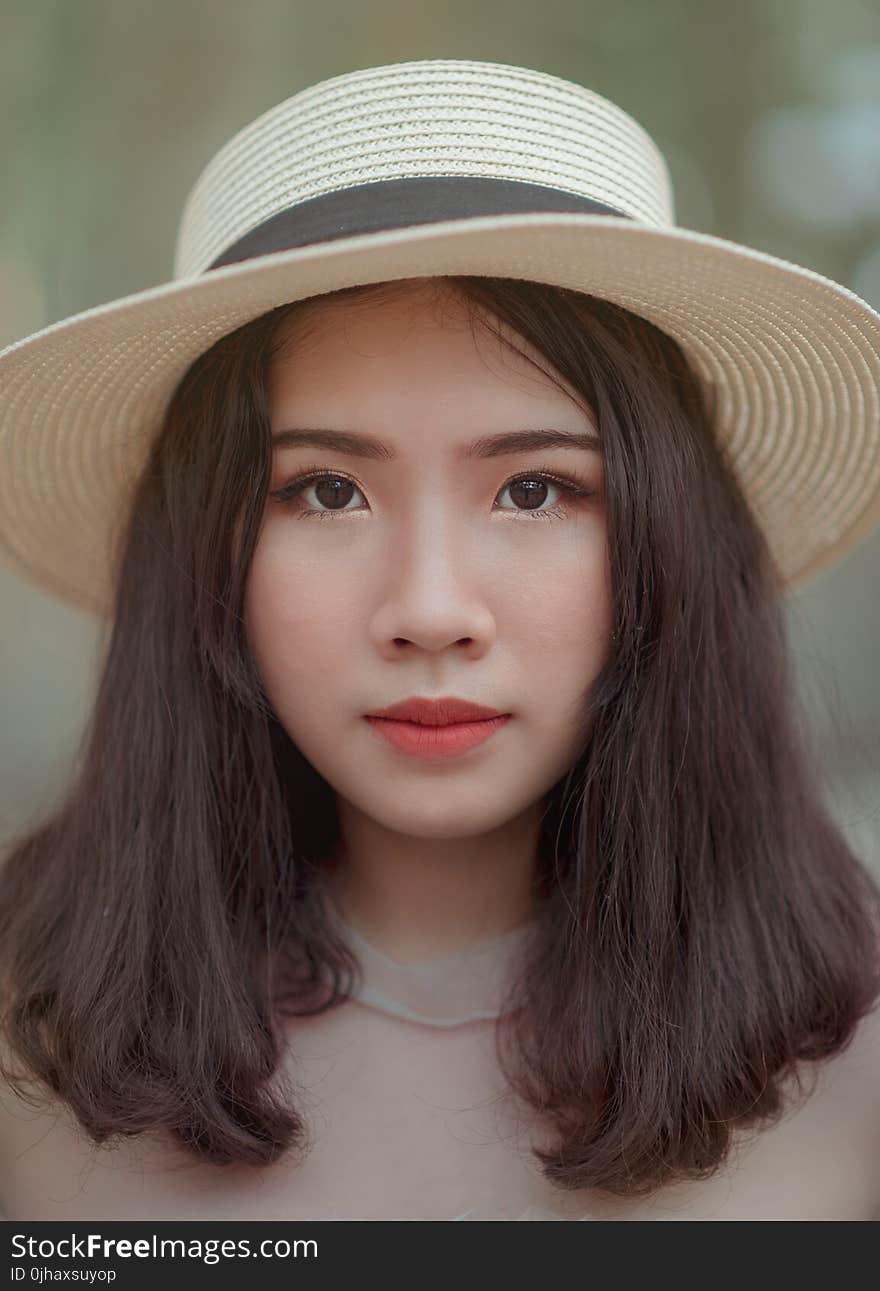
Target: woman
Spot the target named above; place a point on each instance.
(596, 949)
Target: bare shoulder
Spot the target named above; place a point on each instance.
(859, 1065)
(850, 1079)
(866, 1060)
(853, 1078)
(39, 1141)
(842, 1105)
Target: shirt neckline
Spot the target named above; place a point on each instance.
(446, 990)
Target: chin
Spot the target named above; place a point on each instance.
(441, 820)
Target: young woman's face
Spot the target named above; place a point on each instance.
(423, 569)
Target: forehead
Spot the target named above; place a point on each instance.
(410, 343)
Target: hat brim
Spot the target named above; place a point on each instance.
(792, 359)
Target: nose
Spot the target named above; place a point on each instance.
(435, 593)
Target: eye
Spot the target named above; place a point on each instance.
(333, 492)
(532, 490)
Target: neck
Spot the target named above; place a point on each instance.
(417, 898)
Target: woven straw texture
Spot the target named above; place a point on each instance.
(790, 359)
(424, 118)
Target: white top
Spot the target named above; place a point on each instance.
(446, 1087)
(445, 991)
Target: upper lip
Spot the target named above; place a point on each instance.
(437, 712)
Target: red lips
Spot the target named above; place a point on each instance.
(437, 712)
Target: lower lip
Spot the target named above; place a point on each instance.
(436, 741)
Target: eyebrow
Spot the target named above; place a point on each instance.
(360, 445)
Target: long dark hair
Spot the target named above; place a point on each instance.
(704, 926)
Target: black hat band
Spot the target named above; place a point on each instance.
(400, 203)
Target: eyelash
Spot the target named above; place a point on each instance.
(299, 483)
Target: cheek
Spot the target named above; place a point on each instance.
(562, 607)
(298, 619)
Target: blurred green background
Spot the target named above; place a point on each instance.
(768, 112)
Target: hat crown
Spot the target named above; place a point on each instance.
(432, 117)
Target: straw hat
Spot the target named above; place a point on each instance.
(445, 166)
